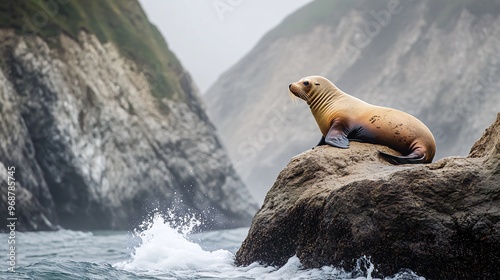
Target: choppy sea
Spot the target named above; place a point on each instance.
(158, 250)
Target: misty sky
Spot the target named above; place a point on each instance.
(209, 36)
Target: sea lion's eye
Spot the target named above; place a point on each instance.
(306, 83)
(316, 84)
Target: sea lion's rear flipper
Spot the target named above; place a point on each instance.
(409, 159)
(337, 137)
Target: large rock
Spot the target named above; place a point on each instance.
(331, 206)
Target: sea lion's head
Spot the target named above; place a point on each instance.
(309, 88)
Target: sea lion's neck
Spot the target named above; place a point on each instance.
(323, 106)
(322, 95)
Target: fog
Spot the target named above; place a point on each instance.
(208, 37)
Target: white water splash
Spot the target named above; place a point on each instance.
(166, 252)
(165, 248)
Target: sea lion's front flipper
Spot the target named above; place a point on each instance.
(337, 137)
(409, 159)
(321, 141)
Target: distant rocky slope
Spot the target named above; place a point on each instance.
(102, 123)
(331, 206)
(438, 60)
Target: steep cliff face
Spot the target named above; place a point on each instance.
(436, 60)
(100, 137)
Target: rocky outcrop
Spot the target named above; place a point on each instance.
(437, 60)
(98, 142)
(332, 206)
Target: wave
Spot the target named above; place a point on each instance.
(167, 251)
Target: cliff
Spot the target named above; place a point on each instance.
(437, 60)
(102, 123)
(331, 206)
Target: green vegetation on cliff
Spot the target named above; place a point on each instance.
(122, 22)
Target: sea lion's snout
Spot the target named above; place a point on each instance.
(294, 90)
(300, 89)
(297, 90)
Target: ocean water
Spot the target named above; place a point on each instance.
(158, 250)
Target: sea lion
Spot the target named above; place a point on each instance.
(342, 117)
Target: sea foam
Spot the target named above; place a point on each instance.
(165, 251)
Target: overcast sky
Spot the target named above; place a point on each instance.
(209, 36)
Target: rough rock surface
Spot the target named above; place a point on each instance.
(93, 149)
(331, 206)
(437, 60)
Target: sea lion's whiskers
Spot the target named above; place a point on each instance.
(307, 98)
(304, 96)
(293, 97)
